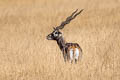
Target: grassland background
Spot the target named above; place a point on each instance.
(25, 54)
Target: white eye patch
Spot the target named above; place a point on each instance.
(55, 33)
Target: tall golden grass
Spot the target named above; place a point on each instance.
(25, 54)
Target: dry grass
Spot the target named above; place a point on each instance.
(25, 54)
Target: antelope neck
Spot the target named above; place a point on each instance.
(61, 42)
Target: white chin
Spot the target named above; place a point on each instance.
(49, 38)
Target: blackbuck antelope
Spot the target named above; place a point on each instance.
(71, 51)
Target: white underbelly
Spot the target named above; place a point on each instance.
(74, 54)
(71, 54)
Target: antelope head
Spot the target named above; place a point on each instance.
(56, 34)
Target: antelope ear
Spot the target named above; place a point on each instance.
(59, 32)
(54, 28)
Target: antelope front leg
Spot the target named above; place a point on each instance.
(64, 55)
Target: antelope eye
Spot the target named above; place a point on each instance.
(56, 32)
